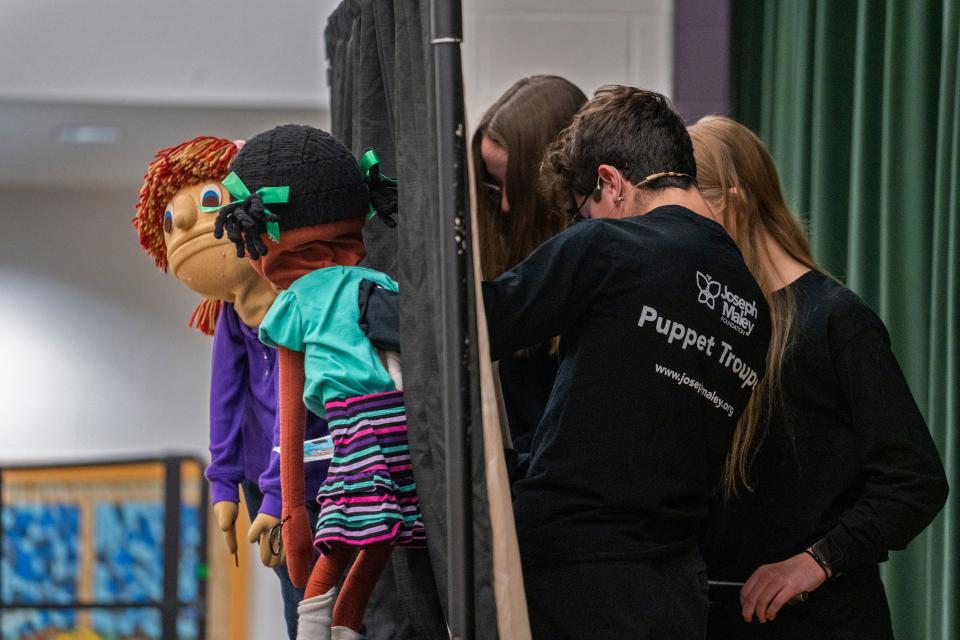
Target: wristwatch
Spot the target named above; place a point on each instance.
(827, 555)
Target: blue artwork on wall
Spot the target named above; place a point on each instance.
(40, 564)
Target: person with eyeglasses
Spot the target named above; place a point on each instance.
(514, 219)
(663, 336)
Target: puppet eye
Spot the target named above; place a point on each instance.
(210, 195)
(168, 220)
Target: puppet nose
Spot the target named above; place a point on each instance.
(184, 211)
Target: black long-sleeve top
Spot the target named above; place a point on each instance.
(663, 334)
(847, 455)
(526, 380)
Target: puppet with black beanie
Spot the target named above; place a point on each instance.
(300, 203)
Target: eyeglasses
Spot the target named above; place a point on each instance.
(492, 191)
(576, 216)
(574, 211)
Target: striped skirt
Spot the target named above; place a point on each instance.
(369, 495)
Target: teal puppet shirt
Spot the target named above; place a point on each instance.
(318, 315)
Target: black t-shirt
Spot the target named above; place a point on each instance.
(846, 455)
(663, 334)
(526, 380)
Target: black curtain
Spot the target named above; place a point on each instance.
(361, 101)
(382, 95)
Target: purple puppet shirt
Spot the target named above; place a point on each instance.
(244, 428)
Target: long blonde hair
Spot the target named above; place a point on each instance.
(739, 180)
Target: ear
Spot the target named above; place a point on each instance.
(609, 178)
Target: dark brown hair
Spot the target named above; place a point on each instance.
(634, 130)
(523, 121)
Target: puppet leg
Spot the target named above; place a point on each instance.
(314, 613)
(359, 585)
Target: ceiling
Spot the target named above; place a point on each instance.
(160, 72)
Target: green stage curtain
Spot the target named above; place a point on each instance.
(858, 102)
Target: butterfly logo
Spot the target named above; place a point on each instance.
(709, 290)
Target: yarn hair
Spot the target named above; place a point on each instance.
(245, 222)
(203, 158)
(198, 160)
(384, 197)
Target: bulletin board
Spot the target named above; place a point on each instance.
(108, 550)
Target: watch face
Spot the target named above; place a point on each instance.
(827, 551)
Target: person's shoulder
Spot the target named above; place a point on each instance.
(677, 225)
(588, 228)
(831, 297)
(838, 309)
(631, 230)
(582, 236)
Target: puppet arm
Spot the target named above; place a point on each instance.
(225, 472)
(297, 538)
(271, 507)
(226, 514)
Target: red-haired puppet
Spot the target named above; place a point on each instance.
(302, 201)
(176, 183)
(243, 430)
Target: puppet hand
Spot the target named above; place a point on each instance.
(226, 513)
(773, 585)
(259, 532)
(299, 545)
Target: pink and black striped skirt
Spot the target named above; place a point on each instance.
(369, 495)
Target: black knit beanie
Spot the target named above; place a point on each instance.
(325, 183)
(324, 178)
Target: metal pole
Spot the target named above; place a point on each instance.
(171, 547)
(446, 36)
(203, 567)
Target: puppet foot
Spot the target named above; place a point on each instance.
(314, 616)
(345, 633)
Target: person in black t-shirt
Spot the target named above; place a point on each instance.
(846, 469)
(663, 338)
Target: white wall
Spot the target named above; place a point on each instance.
(99, 360)
(176, 52)
(589, 43)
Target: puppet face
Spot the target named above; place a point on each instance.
(207, 265)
